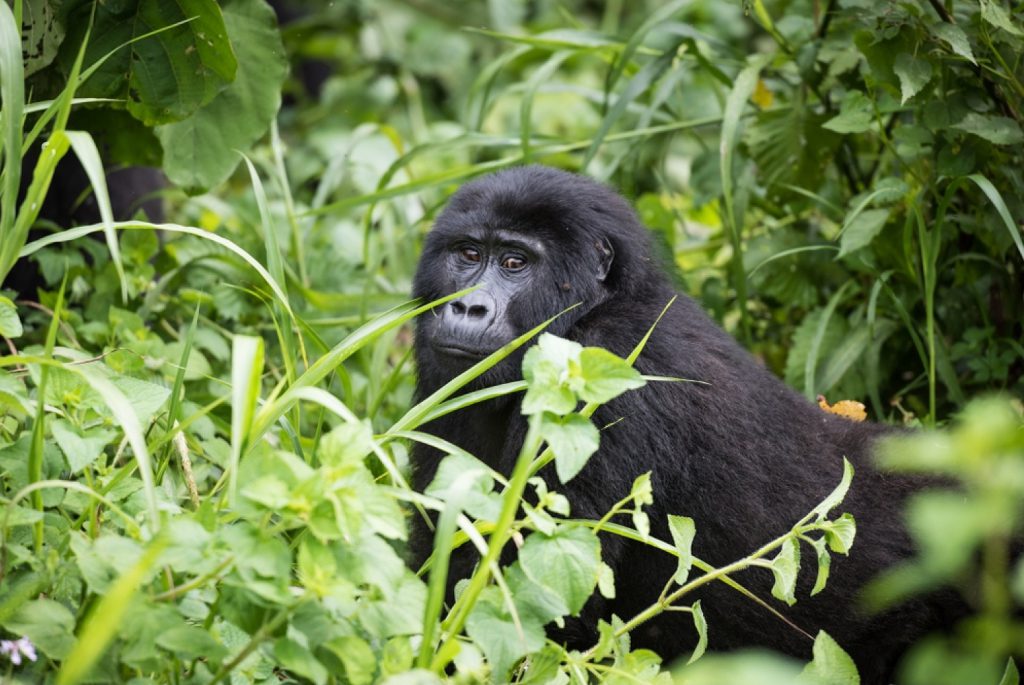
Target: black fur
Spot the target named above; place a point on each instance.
(745, 455)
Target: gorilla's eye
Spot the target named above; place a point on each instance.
(469, 254)
(513, 263)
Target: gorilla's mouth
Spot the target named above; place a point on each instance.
(461, 351)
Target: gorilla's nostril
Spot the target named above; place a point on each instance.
(477, 311)
(458, 307)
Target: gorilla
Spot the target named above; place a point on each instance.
(741, 453)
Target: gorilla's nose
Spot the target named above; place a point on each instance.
(475, 310)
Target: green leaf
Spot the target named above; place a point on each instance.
(10, 324)
(201, 151)
(996, 15)
(824, 565)
(48, 624)
(1011, 676)
(785, 567)
(165, 76)
(566, 563)
(573, 439)
(191, 642)
(357, 658)
(861, 230)
(246, 371)
(547, 368)
(830, 665)
(856, 114)
(146, 398)
(840, 533)
(995, 129)
(683, 531)
(347, 444)
(298, 659)
(479, 500)
(492, 627)
(80, 447)
(606, 376)
(957, 39)
(914, 74)
(606, 581)
(837, 495)
(701, 624)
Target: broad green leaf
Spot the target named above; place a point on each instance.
(830, 665)
(191, 642)
(300, 660)
(606, 581)
(995, 129)
(914, 74)
(957, 39)
(701, 624)
(566, 563)
(785, 567)
(479, 500)
(840, 533)
(573, 439)
(547, 368)
(48, 624)
(146, 398)
(101, 622)
(837, 495)
(605, 376)
(492, 627)
(356, 656)
(996, 15)
(41, 34)
(861, 230)
(10, 324)
(80, 447)
(347, 444)
(683, 531)
(166, 76)
(856, 114)
(201, 151)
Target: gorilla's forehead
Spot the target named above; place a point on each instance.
(537, 201)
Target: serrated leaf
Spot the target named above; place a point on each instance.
(573, 439)
(785, 567)
(565, 563)
(861, 230)
(202, 150)
(10, 324)
(80, 447)
(914, 74)
(996, 15)
(479, 500)
(995, 129)
(606, 376)
(856, 114)
(830, 665)
(683, 530)
(956, 38)
(492, 627)
(701, 624)
(841, 533)
(837, 494)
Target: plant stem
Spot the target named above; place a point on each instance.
(502, 531)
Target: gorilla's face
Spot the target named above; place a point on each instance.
(531, 250)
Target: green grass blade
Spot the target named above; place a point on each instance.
(79, 231)
(12, 99)
(246, 376)
(1004, 213)
(85, 149)
(104, 618)
(811, 363)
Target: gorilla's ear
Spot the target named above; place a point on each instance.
(607, 256)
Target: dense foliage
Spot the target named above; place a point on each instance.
(204, 425)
